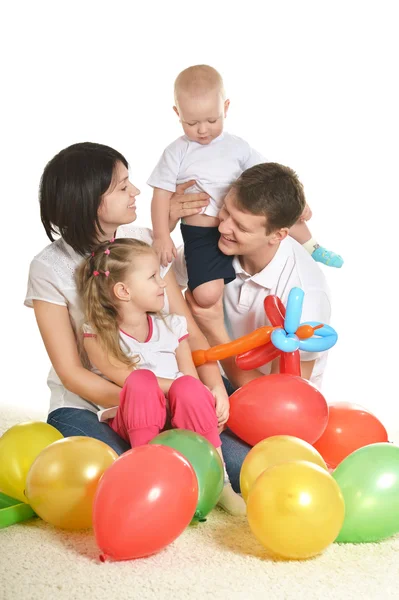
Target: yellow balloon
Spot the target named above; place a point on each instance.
(273, 451)
(19, 447)
(295, 509)
(62, 481)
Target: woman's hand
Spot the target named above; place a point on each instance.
(59, 339)
(185, 205)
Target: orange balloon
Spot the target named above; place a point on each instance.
(256, 338)
(349, 428)
(304, 332)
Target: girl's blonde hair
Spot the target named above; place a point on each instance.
(108, 264)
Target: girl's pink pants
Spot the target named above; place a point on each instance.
(142, 409)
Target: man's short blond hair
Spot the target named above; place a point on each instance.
(198, 80)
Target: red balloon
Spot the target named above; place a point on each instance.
(349, 428)
(278, 405)
(257, 357)
(275, 310)
(290, 362)
(143, 502)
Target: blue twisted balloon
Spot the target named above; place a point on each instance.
(328, 338)
(293, 311)
(286, 340)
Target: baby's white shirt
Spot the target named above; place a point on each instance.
(157, 353)
(213, 166)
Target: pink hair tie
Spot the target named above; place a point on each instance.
(106, 273)
(93, 254)
(107, 251)
(96, 273)
(111, 241)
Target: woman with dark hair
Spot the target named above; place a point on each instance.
(86, 198)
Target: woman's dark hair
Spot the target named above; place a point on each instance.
(71, 190)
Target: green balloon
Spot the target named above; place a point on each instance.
(369, 481)
(205, 461)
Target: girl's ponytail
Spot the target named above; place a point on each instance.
(96, 277)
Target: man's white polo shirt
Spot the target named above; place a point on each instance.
(292, 266)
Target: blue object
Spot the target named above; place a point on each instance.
(323, 339)
(284, 342)
(327, 257)
(293, 311)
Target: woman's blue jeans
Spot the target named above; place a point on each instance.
(76, 421)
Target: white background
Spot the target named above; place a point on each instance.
(311, 84)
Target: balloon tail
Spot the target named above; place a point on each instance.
(198, 516)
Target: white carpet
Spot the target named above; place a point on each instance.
(219, 560)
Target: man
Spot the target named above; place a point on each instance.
(258, 212)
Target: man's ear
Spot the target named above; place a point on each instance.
(121, 292)
(226, 107)
(176, 111)
(279, 235)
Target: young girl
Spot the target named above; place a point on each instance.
(131, 343)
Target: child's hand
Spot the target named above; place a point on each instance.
(165, 249)
(306, 215)
(222, 404)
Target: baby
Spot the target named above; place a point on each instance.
(214, 159)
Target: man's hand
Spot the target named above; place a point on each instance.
(185, 205)
(208, 319)
(222, 405)
(306, 215)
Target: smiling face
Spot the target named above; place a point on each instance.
(118, 206)
(143, 286)
(202, 116)
(242, 232)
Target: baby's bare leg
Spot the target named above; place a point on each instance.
(207, 294)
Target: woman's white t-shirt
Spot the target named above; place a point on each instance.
(52, 279)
